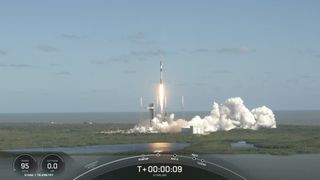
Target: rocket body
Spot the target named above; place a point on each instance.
(161, 91)
(161, 71)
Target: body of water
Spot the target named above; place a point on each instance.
(241, 144)
(111, 148)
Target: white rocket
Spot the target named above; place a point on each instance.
(161, 71)
(162, 97)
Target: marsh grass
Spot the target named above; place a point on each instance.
(284, 140)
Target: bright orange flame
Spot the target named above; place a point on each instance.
(161, 98)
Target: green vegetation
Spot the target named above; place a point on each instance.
(286, 139)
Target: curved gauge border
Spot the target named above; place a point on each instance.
(30, 156)
(159, 158)
(56, 155)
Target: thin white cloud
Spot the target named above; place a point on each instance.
(15, 65)
(120, 58)
(241, 50)
(71, 36)
(63, 73)
(201, 50)
(149, 53)
(47, 48)
(130, 71)
(97, 62)
(136, 36)
(222, 71)
(141, 55)
(3, 52)
(55, 65)
(308, 52)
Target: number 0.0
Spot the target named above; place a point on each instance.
(52, 166)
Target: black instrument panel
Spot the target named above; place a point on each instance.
(160, 166)
(57, 165)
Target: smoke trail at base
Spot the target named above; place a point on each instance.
(231, 114)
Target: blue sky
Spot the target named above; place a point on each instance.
(84, 56)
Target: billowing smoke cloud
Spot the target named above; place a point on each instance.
(232, 114)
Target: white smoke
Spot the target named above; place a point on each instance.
(232, 114)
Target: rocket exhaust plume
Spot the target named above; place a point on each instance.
(232, 114)
(161, 92)
(161, 98)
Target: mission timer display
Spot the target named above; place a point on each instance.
(160, 169)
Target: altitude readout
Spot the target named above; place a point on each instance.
(52, 164)
(160, 169)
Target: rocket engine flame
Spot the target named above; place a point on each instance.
(161, 98)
